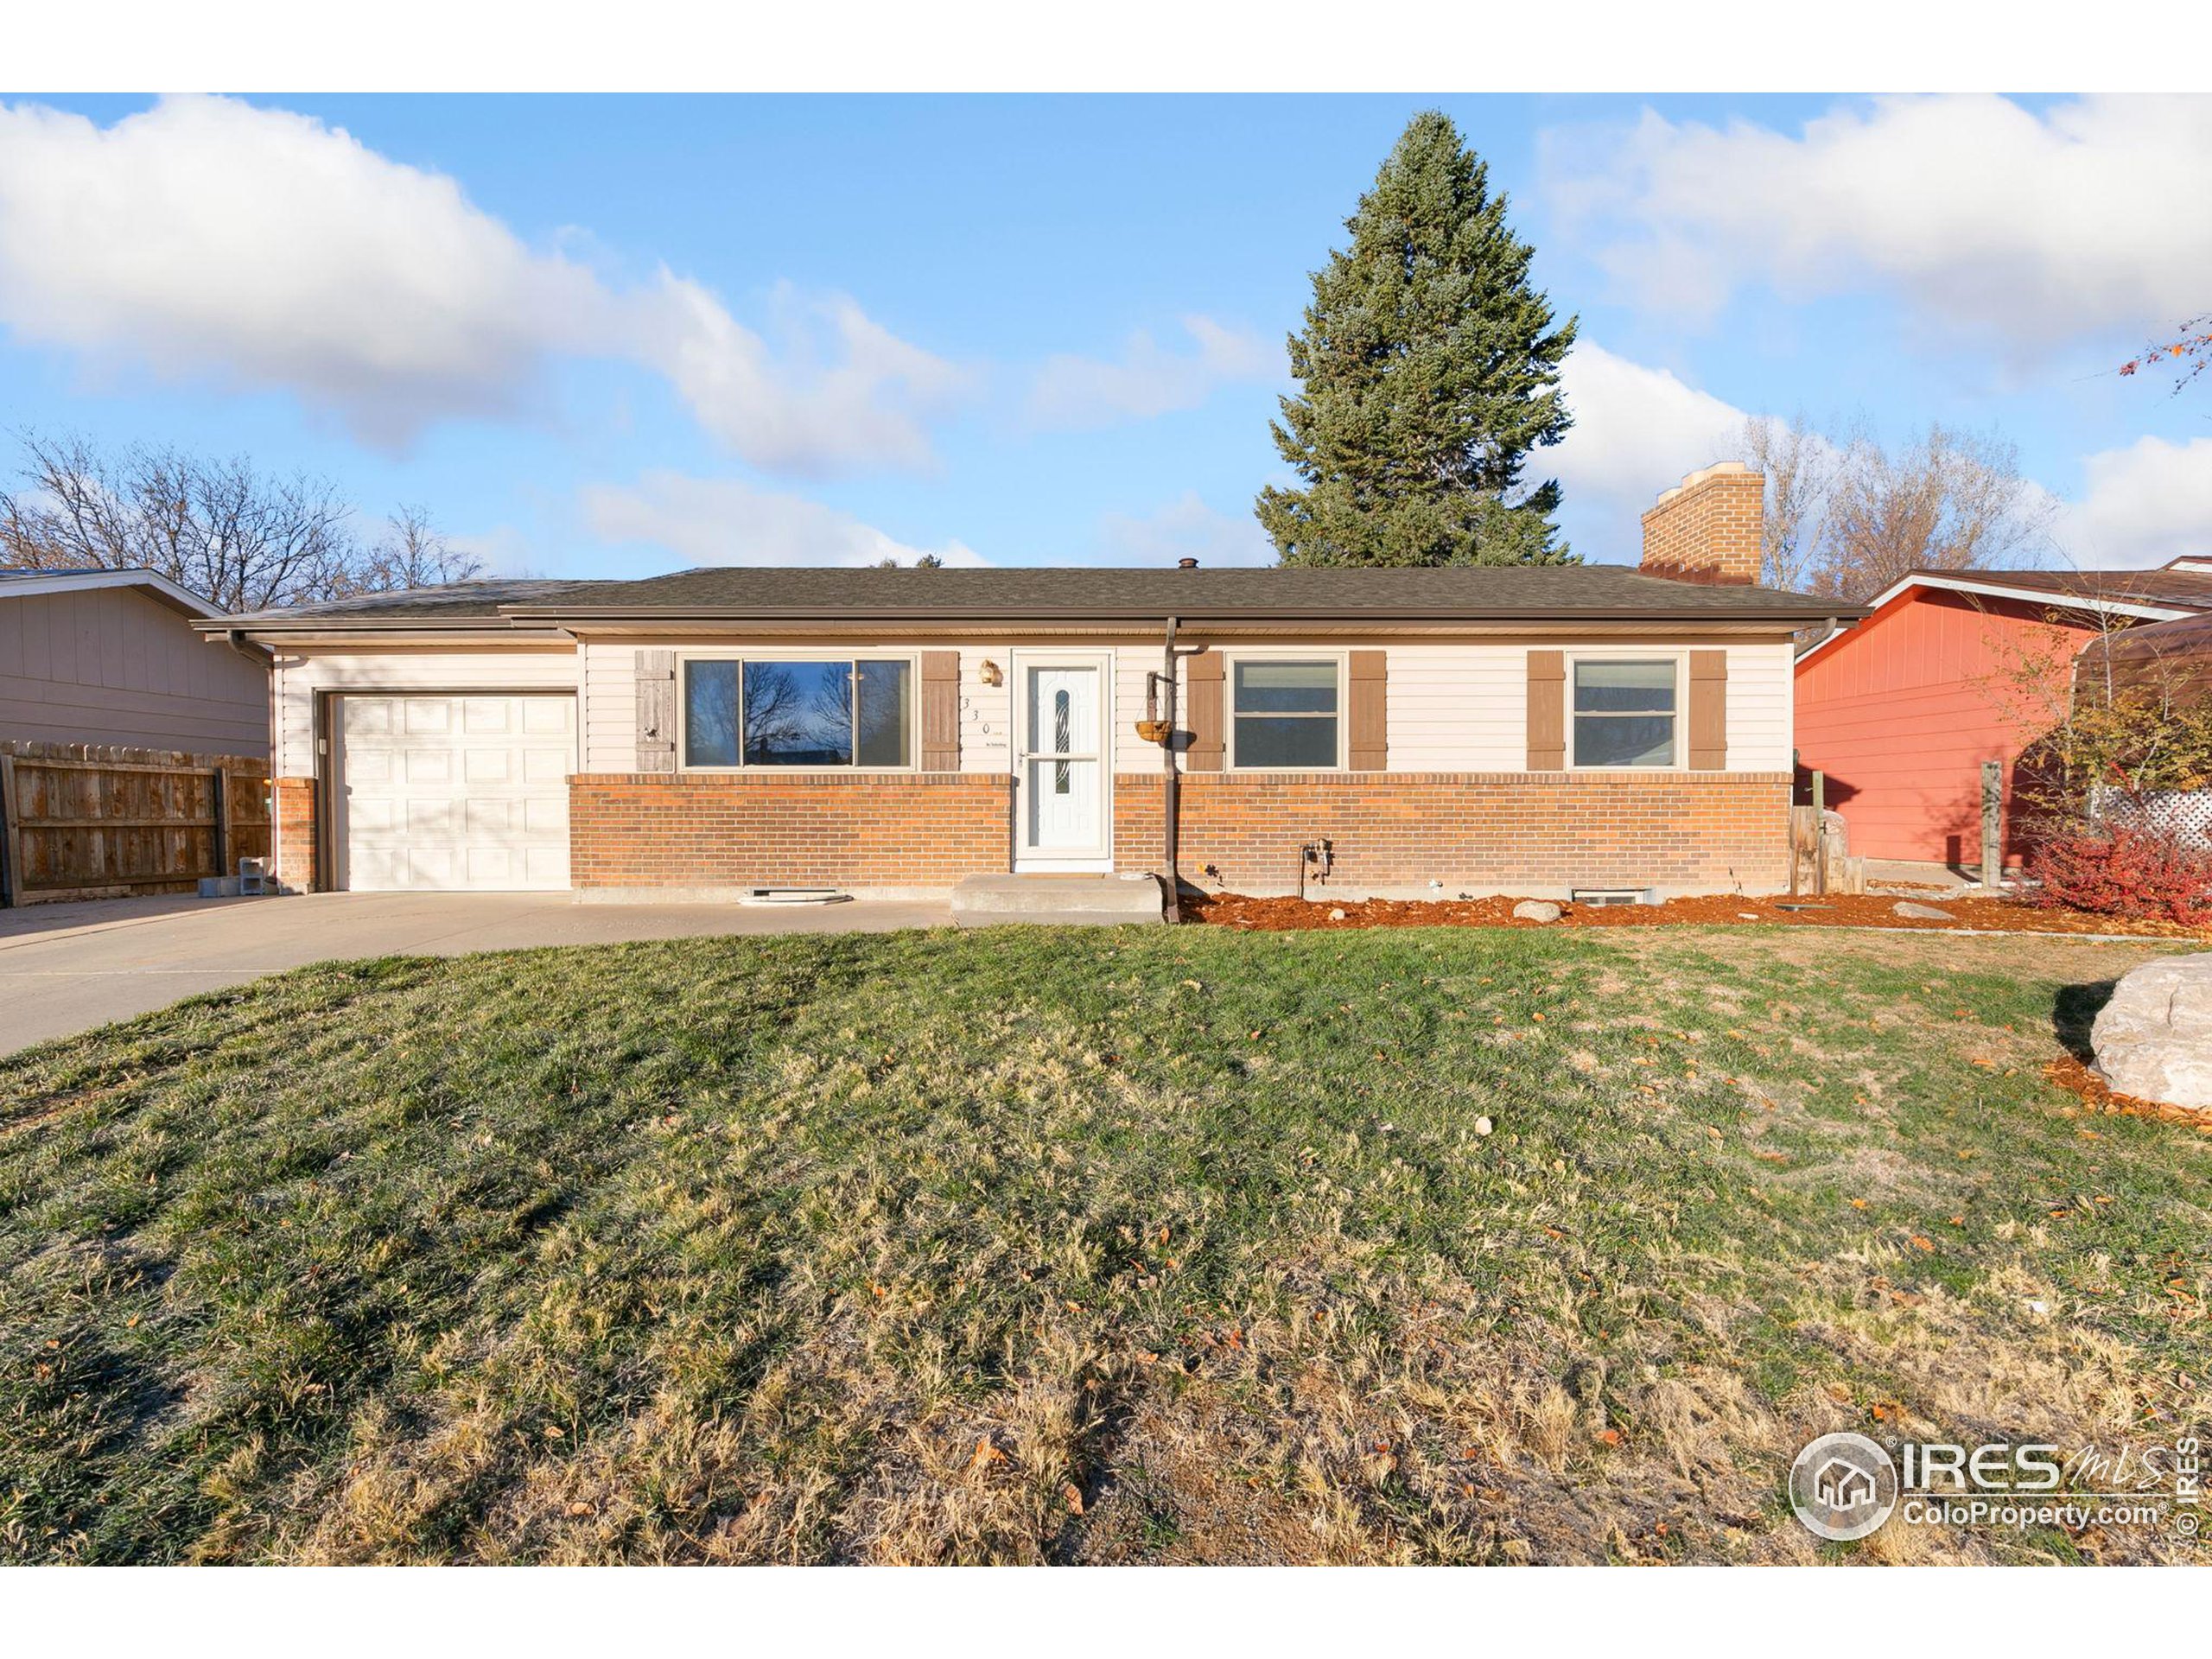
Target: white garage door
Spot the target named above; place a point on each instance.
(452, 793)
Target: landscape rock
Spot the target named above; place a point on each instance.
(1922, 913)
(2153, 1040)
(1335, 915)
(1536, 910)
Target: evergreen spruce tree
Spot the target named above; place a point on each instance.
(1429, 369)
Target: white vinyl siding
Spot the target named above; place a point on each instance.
(298, 679)
(1458, 708)
(610, 705)
(1761, 718)
(1451, 707)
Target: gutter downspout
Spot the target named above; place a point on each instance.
(1835, 627)
(1171, 787)
(265, 659)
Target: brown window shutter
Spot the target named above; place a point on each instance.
(656, 711)
(1368, 749)
(1547, 711)
(940, 711)
(1202, 684)
(1708, 711)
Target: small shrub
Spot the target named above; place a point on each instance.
(2123, 872)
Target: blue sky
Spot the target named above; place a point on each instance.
(621, 335)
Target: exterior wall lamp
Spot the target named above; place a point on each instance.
(991, 673)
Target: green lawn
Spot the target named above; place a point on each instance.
(1034, 1245)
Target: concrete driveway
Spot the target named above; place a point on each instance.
(68, 968)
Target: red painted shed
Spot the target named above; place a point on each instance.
(1951, 669)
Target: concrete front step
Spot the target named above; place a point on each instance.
(1059, 900)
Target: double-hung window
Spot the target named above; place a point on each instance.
(1624, 712)
(1283, 713)
(837, 711)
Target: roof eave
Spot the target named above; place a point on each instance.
(1151, 616)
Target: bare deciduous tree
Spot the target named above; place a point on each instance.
(413, 553)
(241, 539)
(1799, 466)
(1948, 500)
(1848, 515)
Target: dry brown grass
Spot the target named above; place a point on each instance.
(1038, 1247)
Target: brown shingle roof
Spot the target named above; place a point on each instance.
(1595, 592)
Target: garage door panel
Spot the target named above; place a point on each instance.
(430, 867)
(457, 792)
(490, 866)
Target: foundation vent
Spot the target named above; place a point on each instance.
(1596, 896)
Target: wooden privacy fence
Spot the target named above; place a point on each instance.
(84, 821)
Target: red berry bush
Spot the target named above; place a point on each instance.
(2145, 873)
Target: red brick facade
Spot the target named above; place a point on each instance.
(1709, 528)
(1525, 832)
(296, 862)
(740, 829)
(1705, 832)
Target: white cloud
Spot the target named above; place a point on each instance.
(1981, 214)
(1636, 431)
(2140, 505)
(1186, 528)
(724, 521)
(796, 412)
(1074, 393)
(208, 238)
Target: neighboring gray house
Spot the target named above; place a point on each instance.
(110, 657)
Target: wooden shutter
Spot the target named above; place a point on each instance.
(656, 711)
(1202, 688)
(1369, 748)
(940, 711)
(1547, 711)
(1708, 738)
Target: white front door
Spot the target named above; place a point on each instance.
(1061, 762)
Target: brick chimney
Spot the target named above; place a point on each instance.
(1708, 527)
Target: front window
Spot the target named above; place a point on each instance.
(1284, 713)
(831, 712)
(1623, 714)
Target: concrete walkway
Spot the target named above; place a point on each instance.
(68, 968)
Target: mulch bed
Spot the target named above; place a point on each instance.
(2076, 1078)
(1839, 910)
